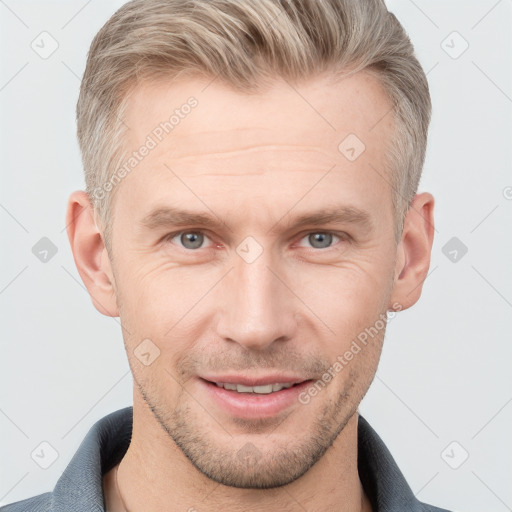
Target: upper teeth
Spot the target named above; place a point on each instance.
(268, 388)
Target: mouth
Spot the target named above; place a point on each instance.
(260, 390)
(253, 398)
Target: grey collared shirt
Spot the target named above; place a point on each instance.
(80, 487)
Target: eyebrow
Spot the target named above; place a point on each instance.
(175, 217)
(339, 215)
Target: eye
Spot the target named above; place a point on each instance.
(321, 239)
(188, 239)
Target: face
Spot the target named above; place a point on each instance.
(249, 252)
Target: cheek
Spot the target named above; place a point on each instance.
(348, 298)
(165, 304)
(160, 294)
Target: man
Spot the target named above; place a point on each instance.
(252, 216)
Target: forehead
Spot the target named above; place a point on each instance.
(244, 145)
(321, 110)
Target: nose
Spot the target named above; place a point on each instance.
(256, 306)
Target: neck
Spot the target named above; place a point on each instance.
(153, 461)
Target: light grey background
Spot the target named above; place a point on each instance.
(445, 373)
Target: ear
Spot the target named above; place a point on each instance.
(90, 253)
(413, 252)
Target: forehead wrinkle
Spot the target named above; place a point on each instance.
(266, 148)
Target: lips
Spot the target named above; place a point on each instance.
(253, 398)
(262, 389)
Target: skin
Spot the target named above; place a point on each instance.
(255, 163)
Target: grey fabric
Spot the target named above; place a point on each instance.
(79, 489)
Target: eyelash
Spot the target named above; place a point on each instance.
(341, 236)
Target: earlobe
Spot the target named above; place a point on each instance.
(414, 251)
(90, 254)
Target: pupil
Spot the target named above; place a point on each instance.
(320, 240)
(192, 240)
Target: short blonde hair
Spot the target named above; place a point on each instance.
(246, 43)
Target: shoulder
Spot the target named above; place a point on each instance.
(381, 477)
(79, 488)
(430, 508)
(39, 503)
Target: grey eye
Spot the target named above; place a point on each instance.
(320, 240)
(192, 240)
